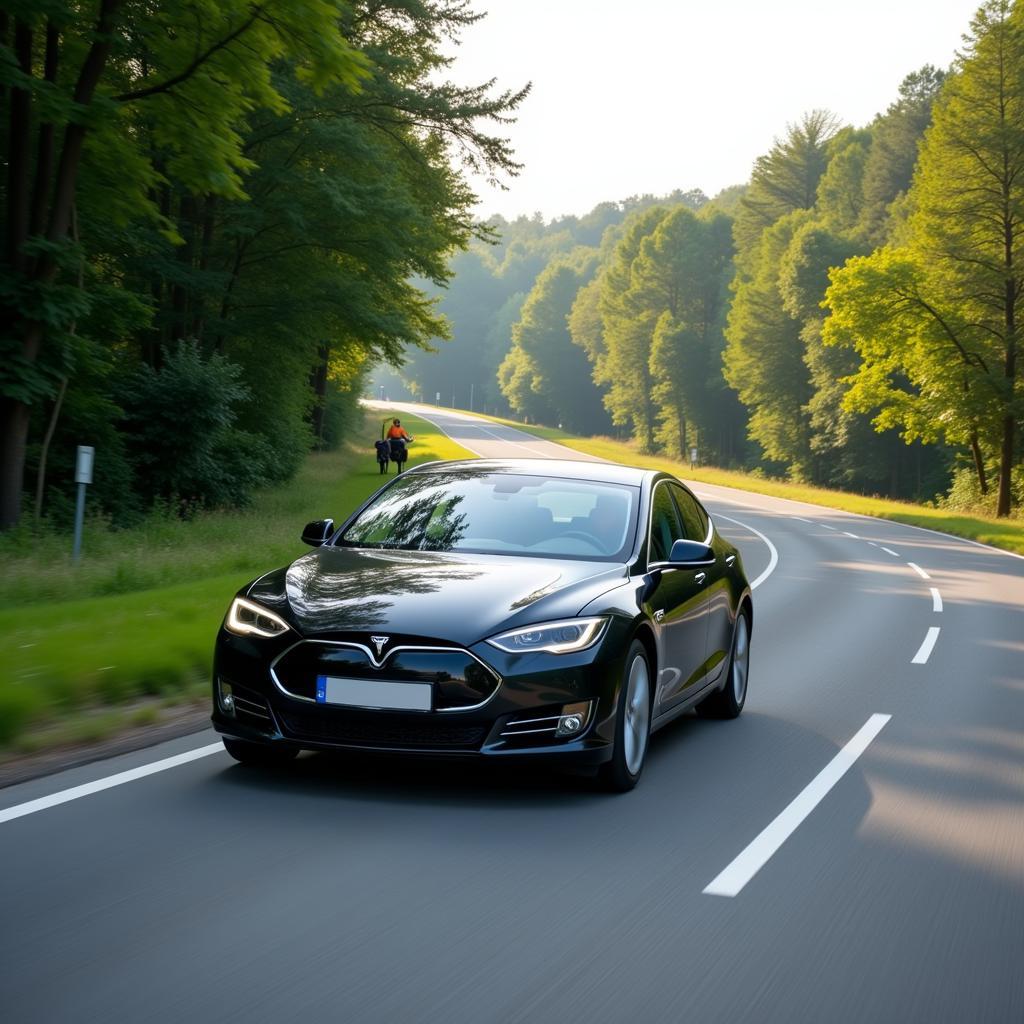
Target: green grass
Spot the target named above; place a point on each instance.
(1000, 533)
(139, 615)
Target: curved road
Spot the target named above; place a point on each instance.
(851, 848)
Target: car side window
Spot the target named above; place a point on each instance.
(665, 525)
(695, 519)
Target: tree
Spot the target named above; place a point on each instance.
(545, 376)
(198, 66)
(935, 321)
(627, 330)
(892, 153)
(764, 351)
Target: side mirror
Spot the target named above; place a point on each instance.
(318, 533)
(691, 552)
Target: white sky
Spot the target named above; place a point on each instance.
(635, 96)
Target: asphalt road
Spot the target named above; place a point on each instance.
(887, 852)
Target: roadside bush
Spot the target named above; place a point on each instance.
(965, 495)
(179, 428)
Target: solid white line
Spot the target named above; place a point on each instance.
(936, 599)
(853, 535)
(736, 875)
(889, 551)
(802, 520)
(88, 788)
(773, 559)
(925, 650)
(825, 526)
(920, 572)
(872, 543)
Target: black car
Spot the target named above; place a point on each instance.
(492, 608)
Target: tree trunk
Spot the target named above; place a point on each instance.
(318, 379)
(13, 432)
(14, 415)
(979, 463)
(20, 125)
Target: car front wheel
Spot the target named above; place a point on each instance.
(632, 724)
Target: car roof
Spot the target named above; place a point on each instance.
(559, 469)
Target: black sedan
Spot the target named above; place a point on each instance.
(492, 608)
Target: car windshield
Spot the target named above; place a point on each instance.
(499, 513)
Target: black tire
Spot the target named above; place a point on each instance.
(259, 753)
(729, 700)
(622, 772)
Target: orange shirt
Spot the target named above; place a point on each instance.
(394, 431)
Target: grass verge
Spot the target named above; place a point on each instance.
(139, 615)
(1001, 533)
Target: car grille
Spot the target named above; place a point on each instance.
(327, 725)
(457, 679)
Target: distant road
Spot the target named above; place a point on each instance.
(850, 849)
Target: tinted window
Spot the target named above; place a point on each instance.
(499, 513)
(695, 519)
(665, 527)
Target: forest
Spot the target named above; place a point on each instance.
(847, 317)
(224, 222)
(214, 219)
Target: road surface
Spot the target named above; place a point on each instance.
(850, 849)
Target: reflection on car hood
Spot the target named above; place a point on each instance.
(461, 598)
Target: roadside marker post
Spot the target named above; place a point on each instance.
(83, 477)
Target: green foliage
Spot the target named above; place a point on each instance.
(198, 460)
(545, 377)
(935, 319)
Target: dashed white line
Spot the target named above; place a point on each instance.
(936, 599)
(853, 535)
(88, 788)
(889, 551)
(773, 555)
(920, 572)
(810, 522)
(825, 526)
(743, 868)
(873, 544)
(924, 652)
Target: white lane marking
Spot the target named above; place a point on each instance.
(920, 572)
(936, 599)
(88, 788)
(743, 868)
(802, 520)
(925, 650)
(872, 543)
(825, 526)
(853, 535)
(773, 559)
(889, 551)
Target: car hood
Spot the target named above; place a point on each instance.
(460, 598)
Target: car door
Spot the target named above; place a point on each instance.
(677, 604)
(697, 525)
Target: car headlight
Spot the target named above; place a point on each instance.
(553, 637)
(246, 618)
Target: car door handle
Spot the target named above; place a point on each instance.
(729, 559)
(699, 577)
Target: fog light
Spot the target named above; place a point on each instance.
(573, 719)
(226, 698)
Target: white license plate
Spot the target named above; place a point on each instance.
(373, 693)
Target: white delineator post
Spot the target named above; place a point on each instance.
(83, 477)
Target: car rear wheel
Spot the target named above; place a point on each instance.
(729, 700)
(258, 753)
(632, 724)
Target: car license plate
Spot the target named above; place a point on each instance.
(373, 693)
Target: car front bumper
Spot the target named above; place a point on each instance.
(532, 689)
